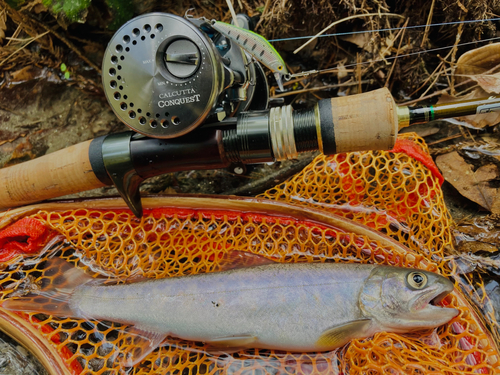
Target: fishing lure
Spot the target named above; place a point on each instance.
(257, 46)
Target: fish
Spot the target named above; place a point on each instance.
(257, 46)
(255, 302)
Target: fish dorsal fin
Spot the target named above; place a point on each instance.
(230, 344)
(145, 340)
(51, 293)
(340, 335)
(242, 259)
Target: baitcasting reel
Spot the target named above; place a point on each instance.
(164, 75)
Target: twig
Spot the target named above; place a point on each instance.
(358, 73)
(241, 5)
(71, 46)
(368, 81)
(471, 136)
(343, 20)
(10, 110)
(272, 179)
(429, 87)
(432, 74)
(233, 13)
(463, 92)
(312, 75)
(85, 41)
(445, 139)
(15, 35)
(266, 7)
(427, 27)
(402, 32)
(381, 54)
(27, 25)
(444, 91)
(454, 52)
(21, 48)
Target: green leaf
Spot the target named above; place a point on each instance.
(69, 10)
(121, 11)
(16, 4)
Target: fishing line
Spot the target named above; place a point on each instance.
(390, 29)
(409, 54)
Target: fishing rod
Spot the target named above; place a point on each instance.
(195, 96)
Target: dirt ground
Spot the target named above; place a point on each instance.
(44, 107)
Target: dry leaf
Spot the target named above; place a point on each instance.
(22, 152)
(477, 61)
(476, 246)
(25, 74)
(362, 40)
(341, 71)
(473, 65)
(475, 121)
(471, 185)
(490, 147)
(423, 130)
(489, 82)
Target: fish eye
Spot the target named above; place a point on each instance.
(417, 280)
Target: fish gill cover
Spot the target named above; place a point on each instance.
(396, 193)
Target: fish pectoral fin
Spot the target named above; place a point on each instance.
(340, 335)
(145, 340)
(241, 259)
(230, 344)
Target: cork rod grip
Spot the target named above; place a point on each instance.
(361, 122)
(59, 173)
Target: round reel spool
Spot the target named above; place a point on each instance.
(161, 75)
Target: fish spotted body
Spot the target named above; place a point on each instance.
(300, 307)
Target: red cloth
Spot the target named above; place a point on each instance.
(23, 237)
(413, 150)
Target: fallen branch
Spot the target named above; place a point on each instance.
(272, 179)
(343, 20)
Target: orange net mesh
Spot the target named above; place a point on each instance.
(391, 192)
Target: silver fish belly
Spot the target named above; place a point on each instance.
(282, 306)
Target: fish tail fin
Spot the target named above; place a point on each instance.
(51, 293)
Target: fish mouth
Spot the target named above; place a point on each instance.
(428, 310)
(436, 301)
(434, 296)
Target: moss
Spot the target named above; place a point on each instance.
(121, 11)
(16, 4)
(70, 10)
